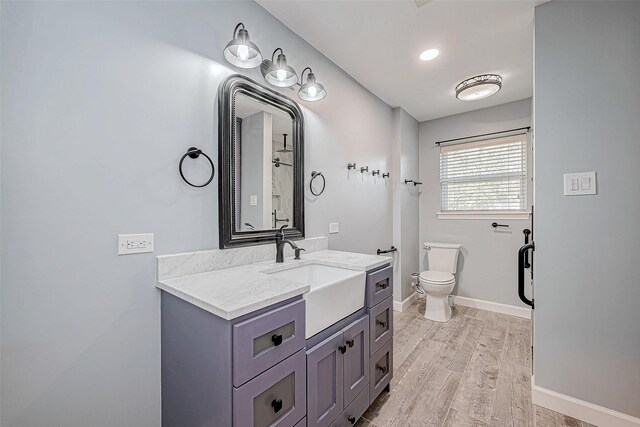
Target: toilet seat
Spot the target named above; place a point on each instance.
(437, 277)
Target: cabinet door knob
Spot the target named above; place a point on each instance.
(381, 323)
(276, 404)
(342, 348)
(276, 339)
(352, 419)
(382, 369)
(350, 343)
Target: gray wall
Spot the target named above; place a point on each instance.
(488, 266)
(405, 202)
(99, 101)
(587, 110)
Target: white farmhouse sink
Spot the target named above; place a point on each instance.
(335, 293)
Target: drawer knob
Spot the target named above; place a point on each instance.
(276, 339)
(350, 343)
(352, 419)
(382, 369)
(381, 323)
(276, 404)
(383, 285)
(342, 348)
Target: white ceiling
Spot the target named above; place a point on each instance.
(378, 43)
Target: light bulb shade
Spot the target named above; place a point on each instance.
(242, 52)
(478, 87)
(280, 74)
(311, 90)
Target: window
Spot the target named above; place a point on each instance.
(488, 175)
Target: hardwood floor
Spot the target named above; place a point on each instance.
(474, 370)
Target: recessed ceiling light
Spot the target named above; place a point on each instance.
(429, 54)
(478, 87)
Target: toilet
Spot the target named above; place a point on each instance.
(438, 281)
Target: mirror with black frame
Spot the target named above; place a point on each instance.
(260, 162)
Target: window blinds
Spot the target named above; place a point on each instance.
(485, 175)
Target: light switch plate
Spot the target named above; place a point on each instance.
(334, 228)
(135, 243)
(580, 184)
(253, 200)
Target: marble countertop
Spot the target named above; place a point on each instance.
(233, 292)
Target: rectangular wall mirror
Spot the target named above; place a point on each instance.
(260, 162)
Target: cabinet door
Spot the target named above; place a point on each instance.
(356, 359)
(324, 381)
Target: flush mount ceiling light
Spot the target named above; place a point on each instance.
(311, 90)
(429, 54)
(241, 51)
(277, 72)
(478, 87)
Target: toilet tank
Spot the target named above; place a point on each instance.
(442, 256)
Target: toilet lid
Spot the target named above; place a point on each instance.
(437, 277)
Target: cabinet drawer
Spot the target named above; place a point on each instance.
(379, 285)
(354, 411)
(380, 324)
(275, 398)
(264, 340)
(381, 370)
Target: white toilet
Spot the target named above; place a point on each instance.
(438, 281)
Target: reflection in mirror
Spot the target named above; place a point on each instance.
(263, 165)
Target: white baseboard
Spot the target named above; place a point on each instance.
(404, 305)
(576, 408)
(511, 310)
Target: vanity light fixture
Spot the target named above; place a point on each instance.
(478, 87)
(278, 72)
(311, 90)
(429, 54)
(241, 51)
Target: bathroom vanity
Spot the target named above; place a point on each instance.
(247, 342)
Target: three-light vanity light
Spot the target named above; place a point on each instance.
(243, 53)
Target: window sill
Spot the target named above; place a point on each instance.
(485, 215)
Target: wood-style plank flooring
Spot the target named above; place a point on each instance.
(474, 370)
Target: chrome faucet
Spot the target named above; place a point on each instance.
(280, 242)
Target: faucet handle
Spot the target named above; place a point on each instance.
(297, 251)
(280, 232)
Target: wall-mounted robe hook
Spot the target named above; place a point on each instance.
(385, 175)
(407, 181)
(375, 172)
(364, 169)
(351, 166)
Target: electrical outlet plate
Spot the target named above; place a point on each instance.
(334, 228)
(580, 184)
(135, 243)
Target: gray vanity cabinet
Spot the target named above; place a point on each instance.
(337, 373)
(245, 372)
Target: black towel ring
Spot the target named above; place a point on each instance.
(194, 153)
(314, 175)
